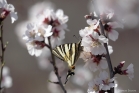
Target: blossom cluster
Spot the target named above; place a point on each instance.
(6, 10)
(48, 24)
(94, 51)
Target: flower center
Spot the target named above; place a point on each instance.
(55, 33)
(106, 82)
(96, 88)
(95, 43)
(96, 59)
(108, 28)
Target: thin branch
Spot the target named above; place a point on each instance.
(105, 44)
(2, 55)
(55, 68)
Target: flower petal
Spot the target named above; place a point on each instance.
(14, 16)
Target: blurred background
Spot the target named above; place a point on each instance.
(29, 77)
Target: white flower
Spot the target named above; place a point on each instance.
(106, 83)
(96, 63)
(82, 76)
(35, 36)
(112, 34)
(85, 32)
(94, 43)
(38, 8)
(130, 71)
(61, 17)
(58, 22)
(7, 80)
(8, 8)
(34, 49)
(94, 86)
(85, 55)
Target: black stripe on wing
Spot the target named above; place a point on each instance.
(57, 53)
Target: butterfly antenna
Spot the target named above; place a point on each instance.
(76, 37)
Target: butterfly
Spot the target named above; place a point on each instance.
(70, 54)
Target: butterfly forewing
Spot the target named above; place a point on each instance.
(68, 52)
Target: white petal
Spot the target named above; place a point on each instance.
(115, 25)
(103, 64)
(106, 87)
(113, 35)
(103, 39)
(2, 3)
(5, 71)
(8, 82)
(38, 52)
(59, 12)
(30, 49)
(91, 22)
(110, 49)
(14, 16)
(95, 35)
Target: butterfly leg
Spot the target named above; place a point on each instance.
(69, 74)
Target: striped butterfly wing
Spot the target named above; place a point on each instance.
(68, 52)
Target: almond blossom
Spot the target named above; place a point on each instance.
(94, 86)
(106, 83)
(94, 43)
(8, 9)
(129, 71)
(109, 28)
(35, 38)
(96, 63)
(58, 22)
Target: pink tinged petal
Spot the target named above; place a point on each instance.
(130, 71)
(14, 16)
(113, 35)
(103, 64)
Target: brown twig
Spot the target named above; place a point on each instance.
(105, 44)
(2, 54)
(55, 68)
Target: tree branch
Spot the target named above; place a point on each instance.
(2, 53)
(105, 44)
(55, 68)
